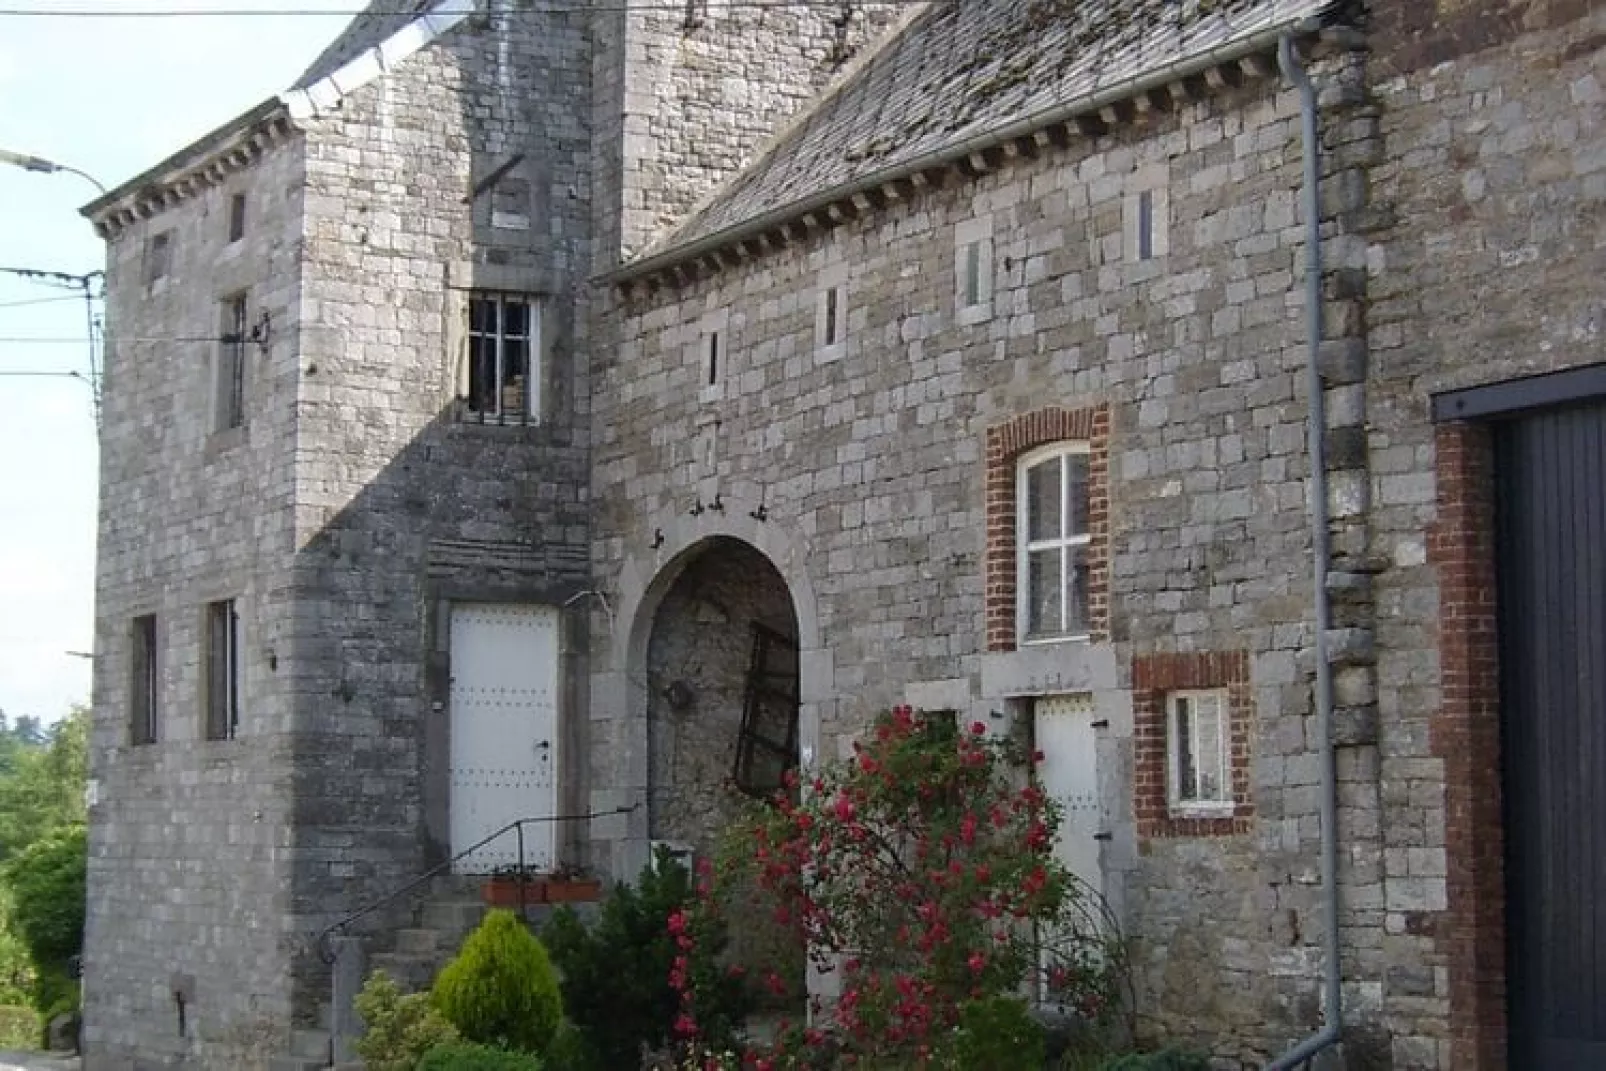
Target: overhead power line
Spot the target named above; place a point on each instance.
(38, 301)
(550, 7)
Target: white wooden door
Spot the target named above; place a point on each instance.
(1063, 729)
(1070, 774)
(504, 740)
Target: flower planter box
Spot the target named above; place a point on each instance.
(504, 891)
(571, 890)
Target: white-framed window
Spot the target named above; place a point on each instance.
(973, 270)
(228, 384)
(1052, 540)
(1198, 741)
(504, 363)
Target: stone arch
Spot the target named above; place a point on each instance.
(620, 688)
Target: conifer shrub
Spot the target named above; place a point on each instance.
(465, 1056)
(616, 971)
(501, 989)
(398, 1028)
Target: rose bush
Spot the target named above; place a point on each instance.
(921, 872)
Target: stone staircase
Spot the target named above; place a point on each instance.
(441, 917)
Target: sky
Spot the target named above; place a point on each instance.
(112, 97)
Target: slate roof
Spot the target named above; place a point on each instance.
(370, 28)
(964, 68)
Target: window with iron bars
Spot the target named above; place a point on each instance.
(504, 375)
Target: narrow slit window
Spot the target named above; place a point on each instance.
(1146, 225)
(158, 257)
(144, 675)
(832, 298)
(236, 217)
(713, 358)
(972, 291)
(222, 670)
(229, 400)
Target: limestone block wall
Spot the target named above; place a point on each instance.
(870, 457)
(466, 168)
(190, 841)
(685, 94)
(1482, 265)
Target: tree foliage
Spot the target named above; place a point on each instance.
(47, 893)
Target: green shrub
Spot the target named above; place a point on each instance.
(571, 1051)
(398, 1028)
(997, 1031)
(1164, 1060)
(616, 972)
(19, 1027)
(465, 1056)
(501, 989)
(47, 895)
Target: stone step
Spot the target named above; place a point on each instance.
(412, 973)
(450, 917)
(310, 1045)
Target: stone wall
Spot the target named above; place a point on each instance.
(872, 459)
(688, 93)
(1484, 267)
(190, 841)
(464, 168)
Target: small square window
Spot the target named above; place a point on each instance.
(228, 406)
(158, 257)
(236, 217)
(144, 675)
(1198, 733)
(504, 362)
(222, 664)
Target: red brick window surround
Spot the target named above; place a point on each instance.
(1155, 679)
(1465, 733)
(1006, 444)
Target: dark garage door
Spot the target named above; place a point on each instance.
(1551, 504)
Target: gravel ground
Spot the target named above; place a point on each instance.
(37, 1061)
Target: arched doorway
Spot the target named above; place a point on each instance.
(723, 691)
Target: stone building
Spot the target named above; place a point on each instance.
(588, 411)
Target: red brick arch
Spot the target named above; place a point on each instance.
(1006, 442)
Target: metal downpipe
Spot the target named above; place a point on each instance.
(1333, 1005)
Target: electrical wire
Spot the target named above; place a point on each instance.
(39, 301)
(22, 340)
(573, 7)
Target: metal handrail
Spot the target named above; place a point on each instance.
(321, 942)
